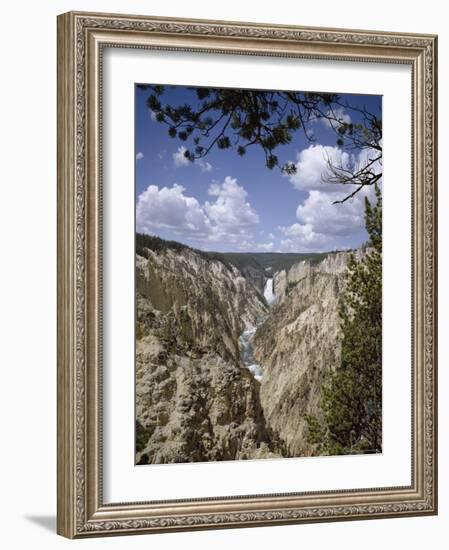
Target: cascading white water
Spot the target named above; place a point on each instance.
(247, 335)
(247, 352)
(268, 292)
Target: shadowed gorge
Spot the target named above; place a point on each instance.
(222, 373)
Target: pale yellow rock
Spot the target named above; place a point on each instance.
(194, 399)
(298, 345)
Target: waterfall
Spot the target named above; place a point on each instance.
(246, 338)
(268, 292)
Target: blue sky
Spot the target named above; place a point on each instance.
(225, 202)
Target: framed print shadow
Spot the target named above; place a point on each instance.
(247, 274)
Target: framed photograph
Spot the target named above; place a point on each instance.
(246, 274)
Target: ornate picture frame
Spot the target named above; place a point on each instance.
(82, 39)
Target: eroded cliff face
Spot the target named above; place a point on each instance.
(298, 345)
(255, 276)
(194, 399)
(334, 263)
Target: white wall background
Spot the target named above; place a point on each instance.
(28, 273)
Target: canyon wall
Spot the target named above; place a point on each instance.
(194, 399)
(334, 263)
(298, 345)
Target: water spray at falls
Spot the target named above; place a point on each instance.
(268, 292)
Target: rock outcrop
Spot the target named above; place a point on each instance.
(334, 263)
(194, 399)
(255, 276)
(298, 345)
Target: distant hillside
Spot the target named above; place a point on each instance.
(268, 262)
(157, 244)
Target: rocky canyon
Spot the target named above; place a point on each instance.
(231, 351)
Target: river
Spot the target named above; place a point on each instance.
(246, 338)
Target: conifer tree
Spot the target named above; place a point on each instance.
(351, 399)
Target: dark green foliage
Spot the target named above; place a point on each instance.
(237, 118)
(351, 401)
(224, 142)
(226, 118)
(157, 244)
(271, 262)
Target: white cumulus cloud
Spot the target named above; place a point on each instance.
(323, 225)
(180, 160)
(311, 167)
(302, 237)
(179, 157)
(230, 211)
(204, 165)
(229, 218)
(169, 208)
(339, 114)
(266, 247)
(319, 212)
(139, 155)
(320, 223)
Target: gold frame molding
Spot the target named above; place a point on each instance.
(81, 38)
